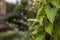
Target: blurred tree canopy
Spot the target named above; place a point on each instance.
(20, 23)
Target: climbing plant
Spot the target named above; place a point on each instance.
(48, 25)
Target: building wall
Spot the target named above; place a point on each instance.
(2, 7)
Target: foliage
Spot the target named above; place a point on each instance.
(9, 7)
(19, 21)
(47, 15)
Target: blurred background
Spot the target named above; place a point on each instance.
(14, 21)
(17, 16)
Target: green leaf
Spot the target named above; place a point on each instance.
(50, 12)
(38, 13)
(41, 19)
(40, 37)
(55, 2)
(34, 32)
(39, 10)
(49, 28)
